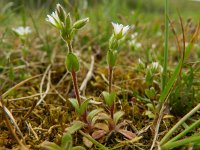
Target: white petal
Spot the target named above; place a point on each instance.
(125, 30)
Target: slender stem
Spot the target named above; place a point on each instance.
(110, 71)
(112, 108)
(69, 44)
(164, 75)
(73, 74)
(173, 129)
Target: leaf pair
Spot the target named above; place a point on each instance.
(79, 109)
(109, 98)
(72, 62)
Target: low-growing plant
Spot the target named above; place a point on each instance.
(63, 22)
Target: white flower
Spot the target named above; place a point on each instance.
(22, 31)
(54, 19)
(120, 30)
(155, 65)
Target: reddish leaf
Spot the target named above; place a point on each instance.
(98, 134)
(128, 134)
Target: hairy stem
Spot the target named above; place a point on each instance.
(74, 78)
(110, 70)
(69, 44)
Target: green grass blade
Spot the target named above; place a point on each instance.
(171, 145)
(164, 75)
(171, 82)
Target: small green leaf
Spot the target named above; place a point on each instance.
(93, 113)
(50, 146)
(150, 93)
(111, 57)
(75, 104)
(84, 106)
(109, 98)
(75, 127)
(66, 142)
(72, 62)
(117, 116)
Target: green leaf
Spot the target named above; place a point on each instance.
(109, 98)
(151, 93)
(93, 113)
(75, 127)
(111, 57)
(84, 106)
(75, 104)
(66, 142)
(78, 148)
(117, 116)
(50, 146)
(72, 62)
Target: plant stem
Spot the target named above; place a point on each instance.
(69, 44)
(74, 79)
(110, 70)
(164, 75)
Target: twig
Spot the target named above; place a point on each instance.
(7, 121)
(42, 96)
(88, 76)
(158, 125)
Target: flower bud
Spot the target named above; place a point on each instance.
(61, 12)
(113, 42)
(80, 23)
(111, 58)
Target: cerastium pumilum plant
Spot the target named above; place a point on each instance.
(117, 37)
(119, 33)
(63, 22)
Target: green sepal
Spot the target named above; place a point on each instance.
(72, 62)
(61, 12)
(111, 58)
(113, 43)
(109, 98)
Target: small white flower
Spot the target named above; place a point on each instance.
(120, 30)
(22, 31)
(54, 19)
(134, 35)
(154, 65)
